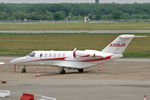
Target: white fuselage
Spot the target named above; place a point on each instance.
(69, 59)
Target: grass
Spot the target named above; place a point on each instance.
(75, 26)
(21, 44)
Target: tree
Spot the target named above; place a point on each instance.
(59, 15)
(125, 16)
(60, 11)
(19, 15)
(2, 15)
(49, 16)
(98, 16)
(117, 14)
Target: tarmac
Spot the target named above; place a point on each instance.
(123, 79)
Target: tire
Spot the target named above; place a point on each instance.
(63, 71)
(81, 70)
(24, 70)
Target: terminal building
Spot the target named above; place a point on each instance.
(96, 1)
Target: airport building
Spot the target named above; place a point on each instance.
(96, 1)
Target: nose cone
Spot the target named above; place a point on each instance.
(17, 60)
(14, 61)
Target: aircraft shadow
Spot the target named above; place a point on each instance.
(67, 73)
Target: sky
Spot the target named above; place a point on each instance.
(73, 1)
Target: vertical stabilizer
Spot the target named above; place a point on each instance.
(119, 44)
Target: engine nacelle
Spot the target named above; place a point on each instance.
(89, 53)
(83, 54)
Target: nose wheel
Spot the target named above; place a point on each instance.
(24, 69)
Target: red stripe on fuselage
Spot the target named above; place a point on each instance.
(98, 59)
(51, 59)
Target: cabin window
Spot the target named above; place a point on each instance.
(59, 55)
(63, 55)
(50, 55)
(41, 55)
(54, 54)
(46, 55)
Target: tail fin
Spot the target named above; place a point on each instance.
(119, 44)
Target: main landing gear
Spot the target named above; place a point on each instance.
(80, 70)
(62, 71)
(24, 69)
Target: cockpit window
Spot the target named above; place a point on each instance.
(31, 54)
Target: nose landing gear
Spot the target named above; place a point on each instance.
(24, 69)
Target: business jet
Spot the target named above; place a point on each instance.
(76, 59)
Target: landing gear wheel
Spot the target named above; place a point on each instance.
(62, 71)
(24, 70)
(81, 70)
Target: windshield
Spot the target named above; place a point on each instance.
(32, 54)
